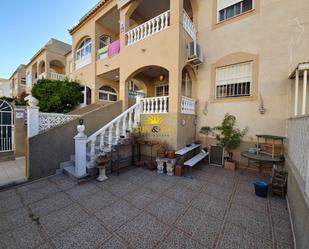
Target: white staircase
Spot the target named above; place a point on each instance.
(88, 148)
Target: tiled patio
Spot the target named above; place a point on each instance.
(141, 209)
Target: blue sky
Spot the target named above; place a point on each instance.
(26, 25)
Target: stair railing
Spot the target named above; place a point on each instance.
(118, 126)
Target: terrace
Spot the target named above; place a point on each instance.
(142, 209)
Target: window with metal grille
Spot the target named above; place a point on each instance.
(231, 8)
(234, 80)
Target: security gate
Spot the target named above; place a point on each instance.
(6, 126)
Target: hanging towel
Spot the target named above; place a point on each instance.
(114, 48)
(103, 50)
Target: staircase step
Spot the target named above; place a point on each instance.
(66, 164)
(70, 171)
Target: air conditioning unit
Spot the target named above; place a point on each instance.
(195, 54)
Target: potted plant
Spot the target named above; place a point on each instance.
(229, 138)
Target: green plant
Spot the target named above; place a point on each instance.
(8, 99)
(57, 96)
(229, 137)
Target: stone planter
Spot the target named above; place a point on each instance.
(160, 165)
(102, 162)
(170, 165)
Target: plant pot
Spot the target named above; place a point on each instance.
(171, 154)
(230, 165)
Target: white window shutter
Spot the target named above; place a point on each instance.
(239, 73)
(222, 4)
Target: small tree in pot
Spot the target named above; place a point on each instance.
(229, 137)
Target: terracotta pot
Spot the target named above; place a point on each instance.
(171, 154)
(178, 170)
(230, 165)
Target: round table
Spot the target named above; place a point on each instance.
(260, 158)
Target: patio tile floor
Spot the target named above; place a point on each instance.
(141, 209)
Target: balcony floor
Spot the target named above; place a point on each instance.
(141, 209)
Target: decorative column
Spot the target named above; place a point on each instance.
(33, 121)
(304, 102)
(80, 151)
(296, 93)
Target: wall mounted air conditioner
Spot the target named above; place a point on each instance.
(195, 54)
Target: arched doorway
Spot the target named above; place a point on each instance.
(6, 127)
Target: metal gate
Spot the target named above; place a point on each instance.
(6, 126)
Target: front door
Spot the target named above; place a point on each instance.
(6, 127)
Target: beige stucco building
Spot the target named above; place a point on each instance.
(5, 88)
(49, 62)
(18, 81)
(241, 64)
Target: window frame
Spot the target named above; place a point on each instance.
(164, 91)
(107, 42)
(108, 93)
(84, 49)
(235, 14)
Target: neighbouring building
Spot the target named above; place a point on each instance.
(49, 62)
(5, 88)
(18, 81)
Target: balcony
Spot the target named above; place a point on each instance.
(109, 50)
(42, 76)
(83, 61)
(57, 76)
(149, 28)
(159, 105)
(189, 26)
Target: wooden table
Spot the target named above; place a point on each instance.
(260, 158)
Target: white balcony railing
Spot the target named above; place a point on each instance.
(42, 76)
(57, 76)
(154, 105)
(85, 60)
(187, 105)
(189, 26)
(148, 28)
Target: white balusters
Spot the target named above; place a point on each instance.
(130, 120)
(189, 26)
(148, 28)
(117, 131)
(124, 125)
(187, 105)
(92, 151)
(155, 105)
(102, 139)
(110, 135)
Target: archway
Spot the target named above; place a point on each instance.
(41, 67)
(56, 67)
(6, 127)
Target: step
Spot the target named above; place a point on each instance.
(70, 171)
(66, 164)
(7, 156)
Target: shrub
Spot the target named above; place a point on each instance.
(57, 96)
(229, 137)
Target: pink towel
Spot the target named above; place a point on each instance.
(114, 48)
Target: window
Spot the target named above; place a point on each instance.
(231, 8)
(105, 40)
(234, 80)
(23, 81)
(84, 49)
(186, 84)
(161, 90)
(106, 93)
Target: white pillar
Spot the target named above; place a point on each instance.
(33, 121)
(85, 96)
(304, 104)
(296, 93)
(80, 152)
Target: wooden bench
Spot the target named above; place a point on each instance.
(194, 161)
